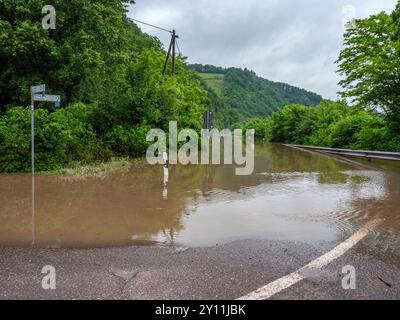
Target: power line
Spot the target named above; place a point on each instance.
(151, 25)
(172, 46)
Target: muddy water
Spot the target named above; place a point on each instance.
(292, 195)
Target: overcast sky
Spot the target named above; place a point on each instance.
(293, 41)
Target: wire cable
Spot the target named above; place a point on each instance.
(150, 25)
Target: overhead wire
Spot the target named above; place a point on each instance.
(151, 25)
(159, 28)
(174, 41)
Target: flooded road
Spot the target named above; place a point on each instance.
(292, 195)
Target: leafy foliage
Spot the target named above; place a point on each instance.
(370, 64)
(335, 125)
(60, 137)
(293, 124)
(262, 127)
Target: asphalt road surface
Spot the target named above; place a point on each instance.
(221, 272)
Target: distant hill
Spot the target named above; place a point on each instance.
(237, 95)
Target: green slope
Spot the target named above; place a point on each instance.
(238, 95)
(214, 81)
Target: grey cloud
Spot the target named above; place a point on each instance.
(294, 41)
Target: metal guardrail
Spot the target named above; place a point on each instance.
(354, 153)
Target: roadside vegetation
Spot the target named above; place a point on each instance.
(330, 124)
(96, 169)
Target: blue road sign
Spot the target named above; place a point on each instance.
(38, 89)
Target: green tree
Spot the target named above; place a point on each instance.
(293, 124)
(91, 42)
(262, 127)
(370, 64)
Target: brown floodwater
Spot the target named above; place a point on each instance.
(292, 195)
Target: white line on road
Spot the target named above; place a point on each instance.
(283, 283)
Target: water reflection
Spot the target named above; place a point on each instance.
(292, 195)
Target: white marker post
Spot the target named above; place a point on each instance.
(35, 96)
(166, 175)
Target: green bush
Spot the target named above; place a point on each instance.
(357, 131)
(335, 125)
(15, 141)
(344, 132)
(127, 141)
(262, 127)
(380, 139)
(60, 137)
(293, 124)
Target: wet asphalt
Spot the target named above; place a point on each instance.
(221, 272)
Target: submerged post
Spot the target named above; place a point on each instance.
(166, 174)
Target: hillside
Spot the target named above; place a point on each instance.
(238, 94)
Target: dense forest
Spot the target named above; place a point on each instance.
(108, 73)
(239, 94)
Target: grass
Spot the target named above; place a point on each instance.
(213, 76)
(99, 169)
(215, 81)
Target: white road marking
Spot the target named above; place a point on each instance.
(283, 283)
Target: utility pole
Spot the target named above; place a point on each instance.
(173, 53)
(172, 47)
(166, 60)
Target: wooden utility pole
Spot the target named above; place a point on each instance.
(172, 47)
(166, 60)
(173, 53)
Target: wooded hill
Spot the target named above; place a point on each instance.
(238, 95)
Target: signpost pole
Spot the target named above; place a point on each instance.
(35, 96)
(33, 165)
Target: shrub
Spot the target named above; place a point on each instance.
(127, 141)
(335, 125)
(347, 132)
(262, 127)
(60, 137)
(293, 124)
(15, 140)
